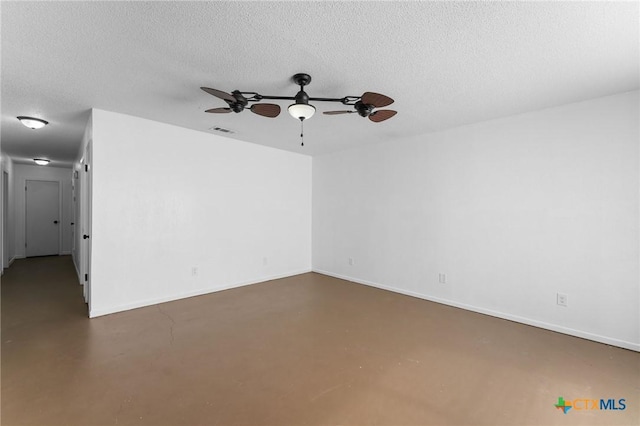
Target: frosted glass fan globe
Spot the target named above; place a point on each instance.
(301, 111)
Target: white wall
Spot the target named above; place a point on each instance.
(513, 211)
(24, 172)
(167, 199)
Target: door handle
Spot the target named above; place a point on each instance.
(85, 236)
(55, 221)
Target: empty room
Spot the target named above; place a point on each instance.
(320, 213)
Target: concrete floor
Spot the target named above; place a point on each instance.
(305, 350)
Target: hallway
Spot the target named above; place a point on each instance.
(308, 349)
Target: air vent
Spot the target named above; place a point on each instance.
(221, 130)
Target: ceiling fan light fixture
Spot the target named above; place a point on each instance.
(301, 111)
(41, 161)
(32, 122)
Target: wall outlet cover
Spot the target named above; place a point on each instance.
(561, 299)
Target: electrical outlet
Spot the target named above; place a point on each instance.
(351, 261)
(442, 278)
(561, 299)
(265, 261)
(194, 271)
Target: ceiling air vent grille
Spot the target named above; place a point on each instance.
(221, 130)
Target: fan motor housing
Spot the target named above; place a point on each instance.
(363, 109)
(240, 103)
(237, 107)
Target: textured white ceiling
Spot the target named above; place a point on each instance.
(445, 63)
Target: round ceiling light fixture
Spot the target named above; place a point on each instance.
(32, 122)
(41, 161)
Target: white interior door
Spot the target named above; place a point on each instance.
(85, 223)
(43, 218)
(5, 220)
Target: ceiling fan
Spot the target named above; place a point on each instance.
(365, 105)
(238, 102)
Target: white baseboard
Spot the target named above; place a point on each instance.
(154, 301)
(9, 263)
(523, 320)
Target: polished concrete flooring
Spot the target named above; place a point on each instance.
(305, 350)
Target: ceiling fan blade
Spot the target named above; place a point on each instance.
(219, 110)
(266, 110)
(219, 94)
(376, 99)
(337, 112)
(381, 115)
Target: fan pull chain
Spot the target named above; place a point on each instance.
(302, 132)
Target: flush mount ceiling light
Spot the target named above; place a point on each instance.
(301, 110)
(41, 161)
(32, 122)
